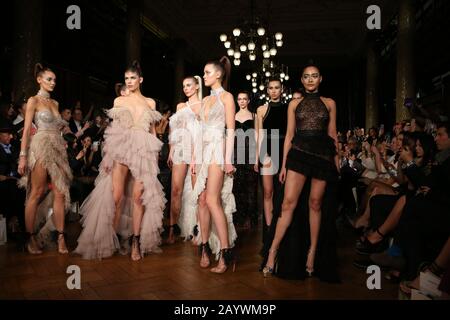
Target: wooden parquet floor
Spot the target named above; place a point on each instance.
(175, 275)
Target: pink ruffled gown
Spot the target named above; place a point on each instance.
(130, 144)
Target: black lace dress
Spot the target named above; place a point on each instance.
(312, 154)
(245, 179)
(274, 124)
(313, 150)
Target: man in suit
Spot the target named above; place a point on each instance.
(12, 198)
(76, 124)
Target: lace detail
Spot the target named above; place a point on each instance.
(312, 114)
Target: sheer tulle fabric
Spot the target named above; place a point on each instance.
(212, 148)
(132, 145)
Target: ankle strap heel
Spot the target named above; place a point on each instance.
(228, 257)
(204, 247)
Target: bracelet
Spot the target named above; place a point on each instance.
(22, 153)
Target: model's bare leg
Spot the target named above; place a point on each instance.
(138, 213)
(292, 190)
(119, 177)
(38, 187)
(315, 215)
(178, 176)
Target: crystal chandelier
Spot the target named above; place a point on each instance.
(252, 40)
(269, 69)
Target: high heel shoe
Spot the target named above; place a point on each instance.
(31, 244)
(62, 248)
(135, 247)
(204, 251)
(267, 270)
(227, 257)
(310, 266)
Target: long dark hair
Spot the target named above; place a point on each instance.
(428, 146)
(224, 65)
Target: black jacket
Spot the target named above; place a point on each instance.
(9, 162)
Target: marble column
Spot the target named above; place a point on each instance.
(405, 87)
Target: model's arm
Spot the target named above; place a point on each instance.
(256, 126)
(260, 113)
(332, 132)
(230, 113)
(29, 115)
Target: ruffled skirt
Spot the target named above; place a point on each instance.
(138, 150)
(188, 213)
(47, 148)
(313, 156)
(213, 153)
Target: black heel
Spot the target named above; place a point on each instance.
(135, 244)
(366, 247)
(204, 248)
(230, 258)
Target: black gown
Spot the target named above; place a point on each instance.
(275, 125)
(245, 179)
(312, 154)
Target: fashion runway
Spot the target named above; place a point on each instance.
(175, 275)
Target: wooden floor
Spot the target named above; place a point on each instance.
(174, 274)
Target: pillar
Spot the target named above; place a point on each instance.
(134, 33)
(405, 87)
(27, 46)
(371, 87)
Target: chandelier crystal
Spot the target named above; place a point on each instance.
(251, 39)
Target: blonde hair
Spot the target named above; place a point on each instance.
(197, 80)
(200, 87)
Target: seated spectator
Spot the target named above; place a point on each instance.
(425, 223)
(7, 113)
(11, 197)
(440, 267)
(383, 224)
(77, 124)
(98, 128)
